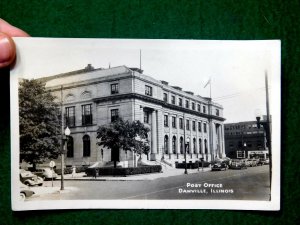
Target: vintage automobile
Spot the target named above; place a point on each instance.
(29, 179)
(25, 192)
(252, 162)
(219, 166)
(237, 164)
(45, 173)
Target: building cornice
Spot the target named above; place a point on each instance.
(156, 101)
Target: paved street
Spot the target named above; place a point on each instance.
(249, 184)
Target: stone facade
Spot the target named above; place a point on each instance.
(93, 97)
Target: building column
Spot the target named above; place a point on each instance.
(222, 140)
(209, 140)
(191, 139)
(153, 133)
(197, 138)
(142, 114)
(170, 134)
(178, 136)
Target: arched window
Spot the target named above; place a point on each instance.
(205, 146)
(181, 145)
(174, 145)
(86, 146)
(70, 147)
(166, 144)
(200, 146)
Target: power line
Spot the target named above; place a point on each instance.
(237, 94)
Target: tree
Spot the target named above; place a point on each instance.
(39, 123)
(120, 134)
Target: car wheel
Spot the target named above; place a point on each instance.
(27, 183)
(40, 184)
(22, 197)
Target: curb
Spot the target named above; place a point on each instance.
(128, 178)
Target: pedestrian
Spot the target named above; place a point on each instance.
(95, 173)
(74, 171)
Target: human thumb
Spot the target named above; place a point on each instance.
(7, 50)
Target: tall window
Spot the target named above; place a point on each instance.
(166, 144)
(200, 145)
(180, 123)
(87, 118)
(187, 104)
(70, 147)
(217, 112)
(204, 127)
(70, 116)
(148, 90)
(187, 124)
(205, 146)
(180, 101)
(193, 106)
(166, 124)
(199, 126)
(165, 97)
(114, 114)
(146, 116)
(181, 145)
(173, 99)
(173, 121)
(198, 107)
(204, 109)
(194, 145)
(86, 146)
(194, 125)
(174, 145)
(114, 88)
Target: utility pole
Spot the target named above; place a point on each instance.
(268, 132)
(62, 140)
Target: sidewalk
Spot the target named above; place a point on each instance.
(138, 177)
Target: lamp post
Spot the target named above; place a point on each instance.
(186, 146)
(65, 143)
(245, 145)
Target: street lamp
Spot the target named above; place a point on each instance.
(65, 143)
(186, 146)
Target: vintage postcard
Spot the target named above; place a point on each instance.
(145, 124)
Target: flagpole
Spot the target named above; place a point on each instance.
(210, 88)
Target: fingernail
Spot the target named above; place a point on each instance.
(7, 52)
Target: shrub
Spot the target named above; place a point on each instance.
(67, 170)
(81, 169)
(105, 171)
(191, 165)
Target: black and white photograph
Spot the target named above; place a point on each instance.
(145, 124)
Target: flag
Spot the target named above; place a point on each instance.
(208, 82)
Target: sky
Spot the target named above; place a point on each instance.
(236, 68)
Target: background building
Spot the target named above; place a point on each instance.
(94, 97)
(245, 140)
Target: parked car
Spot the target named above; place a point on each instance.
(238, 164)
(263, 162)
(247, 162)
(29, 179)
(46, 173)
(260, 162)
(219, 166)
(252, 162)
(25, 192)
